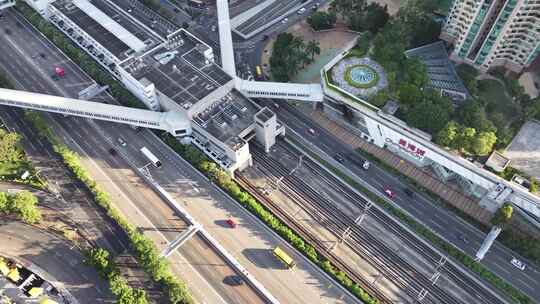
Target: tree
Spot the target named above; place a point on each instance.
(468, 75)
(464, 139)
(4, 202)
(99, 258)
(409, 94)
(372, 18)
(9, 147)
(313, 48)
(473, 114)
(322, 20)
(288, 54)
(428, 116)
(503, 215)
(483, 143)
(448, 134)
(24, 205)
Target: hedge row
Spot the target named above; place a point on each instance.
(420, 229)
(526, 246)
(33, 180)
(145, 250)
(224, 180)
(100, 259)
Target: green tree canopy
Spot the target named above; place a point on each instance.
(448, 134)
(483, 143)
(10, 150)
(288, 55)
(322, 20)
(24, 204)
(503, 215)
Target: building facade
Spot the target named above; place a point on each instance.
(491, 33)
(6, 3)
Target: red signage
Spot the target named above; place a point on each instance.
(411, 148)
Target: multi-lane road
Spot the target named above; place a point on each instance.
(440, 220)
(251, 242)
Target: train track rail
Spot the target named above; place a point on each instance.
(392, 266)
(310, 239)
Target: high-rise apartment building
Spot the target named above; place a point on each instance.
(490, 33)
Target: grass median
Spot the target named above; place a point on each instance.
(145, 250)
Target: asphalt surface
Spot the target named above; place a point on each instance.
(251, 242)
(376, 238)
(55, 260)
(208, 268)
(440, 220)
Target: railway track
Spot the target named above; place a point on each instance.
(312, 240)
(401, 273)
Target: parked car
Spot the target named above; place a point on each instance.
(301, 11)
(389, 192)
(122, 142)
(519, 264)
(285, 20)
(231, 223)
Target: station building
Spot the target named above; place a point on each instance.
(383, 129)
(169, 70)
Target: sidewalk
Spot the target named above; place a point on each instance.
(448, 193)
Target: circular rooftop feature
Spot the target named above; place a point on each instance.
(361, 76)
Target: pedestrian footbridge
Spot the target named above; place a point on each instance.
(176, 123)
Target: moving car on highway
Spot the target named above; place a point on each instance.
(519, 264)
(389, 192)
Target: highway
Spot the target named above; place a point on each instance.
(375, 238)
(206, 271)
(440, 220)
(251, 242)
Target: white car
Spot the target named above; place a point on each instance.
(301, 11)
(365, 165)
(285, 20)
(519, 264)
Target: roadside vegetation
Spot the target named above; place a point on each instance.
(100, 259)
(13, 163)
(22, 204)
(227, 183)
(488, 120)
(289, 54)
(427, 234)
(146, 252)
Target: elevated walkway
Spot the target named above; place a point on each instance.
(280, 90)
(225, 38)
(176, 123)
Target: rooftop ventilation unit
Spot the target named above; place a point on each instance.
(165, 57)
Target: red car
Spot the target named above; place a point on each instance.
(389, 193)
(231, 223)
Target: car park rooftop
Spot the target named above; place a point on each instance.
(108, 25)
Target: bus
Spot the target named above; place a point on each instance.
(284, 257)
(258, 73)
(151, 157)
